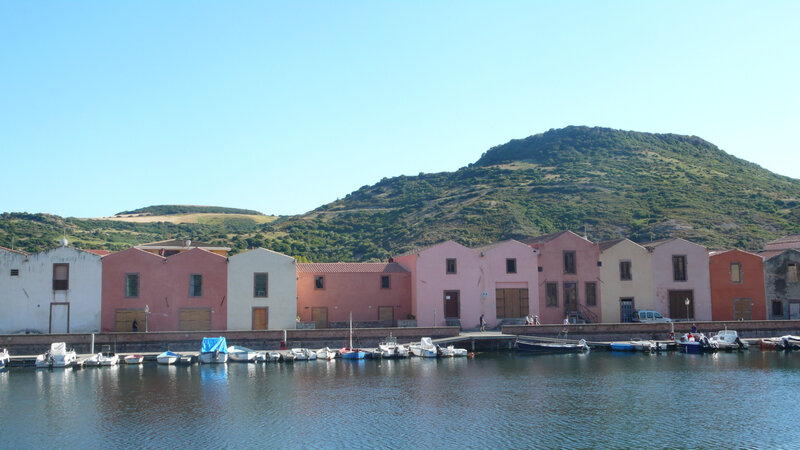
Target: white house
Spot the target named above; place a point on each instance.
(54, 291)
(262, 291)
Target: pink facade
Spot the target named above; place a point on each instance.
(185, 291)
(453, 284)
(680, 272)
(569, 280)
(375, 293)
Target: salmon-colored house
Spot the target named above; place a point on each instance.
(455, 285)
(737, 286)
(569, 278)
(183, 292)
(377, 294)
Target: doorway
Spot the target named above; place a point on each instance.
(452, 306)
(677, 305)
(124, 319)
(626, 310)
(260, 318)
(386, 315)
(319, 315)
(742, 309)
(59, 318)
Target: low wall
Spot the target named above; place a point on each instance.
(32, 344)
(605, 332)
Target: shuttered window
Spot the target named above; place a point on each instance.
(551, 294)
(131, 285)
(60, 277)
(260, 285)
(195, 285)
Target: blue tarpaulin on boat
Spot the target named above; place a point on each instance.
(216, 344)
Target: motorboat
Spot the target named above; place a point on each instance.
(787, 343)
(133, 359)
(168, 358)
(268, 356)
(303, 354)
(445, 352)
(4, 359)
(623, 347)
(288, 357)
(58, 356)
(326, 354)
(214, 350)
(728, 340)
(386, 350)
(102, 359)
(696, 343)
(459, 352)
(401, 351)
(241, 354)
(537, 346)
(424, 349)
(646, 345)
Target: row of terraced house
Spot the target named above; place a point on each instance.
(179, 285)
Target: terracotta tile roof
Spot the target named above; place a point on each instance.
(98, 252)
(791, 241)
(15, 251)
(179, 244)
(350, 268)
(767, 254)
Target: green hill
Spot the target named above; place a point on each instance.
(610, 183)
(166, 210)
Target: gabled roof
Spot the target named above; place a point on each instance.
(98, 252)
(178, 244)
(790, 241)
(722, 252)
(543, 238)
(341, 267)
(14, 251)
(419, 250)
(605, 245)
(653, 244)
(769, 254)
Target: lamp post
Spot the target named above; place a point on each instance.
(146, 314)
(686, 302)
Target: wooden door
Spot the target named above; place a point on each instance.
(677, 304)
(195, 319)
(124, 320)
(59, 318)
(742, 309)
(386, 315)
(570, 296)
(451, 305)
(320, 317)
(260, 318)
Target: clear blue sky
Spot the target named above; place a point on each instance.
(284, 106)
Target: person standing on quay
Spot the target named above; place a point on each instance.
(483, 323)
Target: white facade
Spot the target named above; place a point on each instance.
(280, 296)
(30, 301)
(631, 285)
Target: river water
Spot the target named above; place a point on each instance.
(498, 400)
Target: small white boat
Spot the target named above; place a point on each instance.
(168, 358)
(424, 349)
(460, 352)
(101, 359)
(401, 351)
(133, 359)
(214, 351)
(58, 356)
(4, 358)
(326, 354)
(643, 345)
(303, 354)
(271, 356)
(241, 354)
(728, 340)
(288, 357)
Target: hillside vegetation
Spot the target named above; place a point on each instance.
(165, 210)
(607, 182)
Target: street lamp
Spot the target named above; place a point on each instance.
(686, 302)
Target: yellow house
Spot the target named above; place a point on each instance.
(626, 280)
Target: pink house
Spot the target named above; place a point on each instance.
(455, 285)
(377, 294)
(680, 273)
(183, 292)
(569, 277)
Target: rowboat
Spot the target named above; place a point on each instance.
(167, 358)
(241, 354)
(551, 346)
(133, 359)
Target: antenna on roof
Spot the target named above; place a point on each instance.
(585, 234)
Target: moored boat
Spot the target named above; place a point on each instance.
(695, 343)
(214, 350)
(349, 352)
(535, 346)
(270, 356)
(57, 357)
(728, 340)
(133, 359)
(168, 358)
(326, 354)
(424, 348)
(241, 354)
(623, 347)
(4, 358)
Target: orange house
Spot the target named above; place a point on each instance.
(737, 286)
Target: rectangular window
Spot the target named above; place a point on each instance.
(450, 264)
(14, 272)
(60, 277)
(131, 285)
(385, 282)
(569, 262)
(319, 282)
(777, 308)
(679, 268)
(551, 294)
(792, 272)
(511, 265)
(625, 270)
(260, 285)
(736, 273)
(195, 285)
(591, 294)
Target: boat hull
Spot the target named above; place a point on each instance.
(549, 347)
(213, 358)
